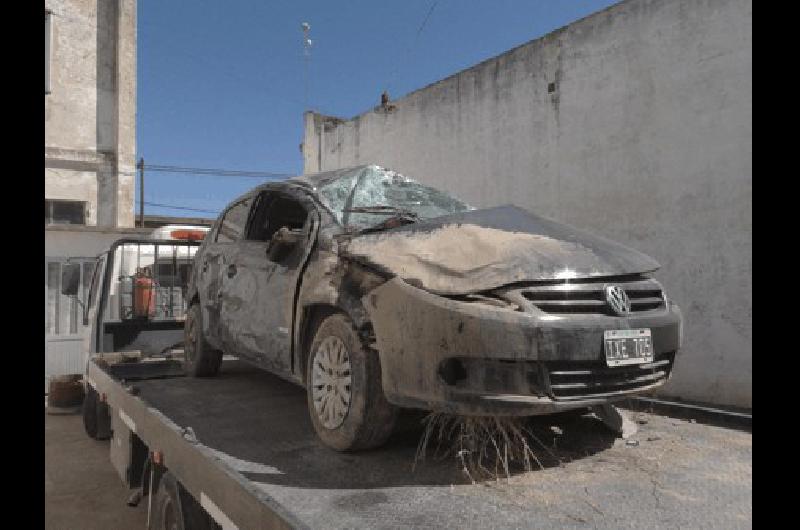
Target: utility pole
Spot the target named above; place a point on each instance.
(307, 43)
(140, 167)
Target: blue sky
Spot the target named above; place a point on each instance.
(221, 84)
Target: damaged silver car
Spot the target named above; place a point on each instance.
(376, 292)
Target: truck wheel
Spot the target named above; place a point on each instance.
(199, 359)
(96, 416)
(343, 387)
(167, 511)
(90, 413)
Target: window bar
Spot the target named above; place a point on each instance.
(119, 253)
(172, 283)
(156, 274)
(73, 310)
(134, 287)
(58, 300)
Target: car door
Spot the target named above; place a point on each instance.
(267, 273)
(213, 275)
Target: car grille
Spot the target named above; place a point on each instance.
(589, 296)
(585, 380)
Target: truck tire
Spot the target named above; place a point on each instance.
(167, 511)
(96, 416)
(199, 358)
(344, 391)
(90, 413)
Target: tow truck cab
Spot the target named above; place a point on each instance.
(137, 296)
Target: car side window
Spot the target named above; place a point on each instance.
(258, 220)
(233, 222)
(276, 211)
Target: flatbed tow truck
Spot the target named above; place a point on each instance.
(239, 451)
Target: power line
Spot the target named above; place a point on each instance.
(216, 172)
(425, 21)
(175, 207)
(205, 171)
(212, 172)
(414, 45)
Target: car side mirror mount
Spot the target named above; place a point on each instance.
(285, 237)
(282, 241)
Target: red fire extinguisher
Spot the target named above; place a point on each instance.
(144, 302)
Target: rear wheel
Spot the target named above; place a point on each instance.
(96, 416)
(90, 413)
(167, 511)
(199, 358)
(344, 392)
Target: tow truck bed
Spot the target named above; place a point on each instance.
(256, 463)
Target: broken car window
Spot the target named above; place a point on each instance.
(379, 193)
(233, 222)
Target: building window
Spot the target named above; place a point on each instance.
(64, 212)
(48, 39)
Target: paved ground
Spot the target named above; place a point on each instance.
(82, 490)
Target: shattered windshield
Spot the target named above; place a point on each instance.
(365, 197)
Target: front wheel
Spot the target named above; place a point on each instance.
(344, 391)
(199, 359)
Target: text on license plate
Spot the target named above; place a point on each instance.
(628, 346)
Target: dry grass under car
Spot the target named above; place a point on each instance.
(492, 447)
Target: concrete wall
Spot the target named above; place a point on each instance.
(90, 112)
(635, 123)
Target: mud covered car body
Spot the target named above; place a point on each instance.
(491, 311)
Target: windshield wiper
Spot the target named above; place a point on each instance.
(396, 216)
(381, 209)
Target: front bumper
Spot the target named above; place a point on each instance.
(470, 358)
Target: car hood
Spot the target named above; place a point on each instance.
(478, 250)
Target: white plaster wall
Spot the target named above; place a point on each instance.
(646, 139)
(90, 113)
(70, 108)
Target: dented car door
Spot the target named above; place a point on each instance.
(263, 286)
(219, 270)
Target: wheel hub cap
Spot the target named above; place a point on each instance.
(330, 382)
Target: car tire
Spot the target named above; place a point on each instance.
(167, 511)
(346, 417)
(199, 358)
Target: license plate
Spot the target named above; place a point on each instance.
(628, 346)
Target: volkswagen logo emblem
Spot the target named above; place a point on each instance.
(618, 300)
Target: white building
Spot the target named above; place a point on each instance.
(90, 149)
